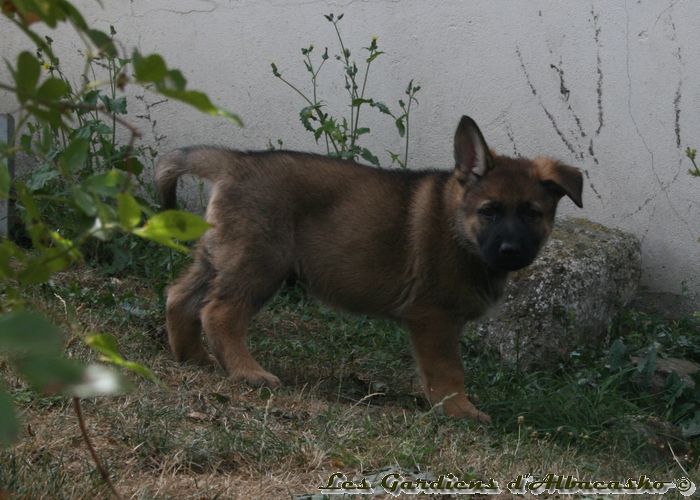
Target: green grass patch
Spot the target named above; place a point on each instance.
(350, 402)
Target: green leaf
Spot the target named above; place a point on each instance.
(42, 176)
(102, 41)
(275, 71)
(74, 156)
(24, 332)
(27, 75)
(616, 356)
(52, 89)
(9, 426)
(129, 211)
(358, 101)
(200, 101)
(149, 69)
(175, 80)
(4, 179)
(130, 164)
(27, 200)
(166, 227)
(117, 105)
(51, 260)
(362, 130)
(367, 155)
(374, 56)
(691, 427)
(106, 345)
(647, 366)
(381, 107)
(306, 115)
(90, 98)
(92, 127)
(400, 126)
(26, 142)
(50, 116)
(173, 224)
(107, 184)
(84, 201)
(171, 83)
(10, 257)
(49, 372)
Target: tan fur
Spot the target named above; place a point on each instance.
(402, 245)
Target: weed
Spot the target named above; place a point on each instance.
(342, 135)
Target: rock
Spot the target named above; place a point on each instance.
(567, 298)
(663, 367)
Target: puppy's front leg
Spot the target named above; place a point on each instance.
(435, 339)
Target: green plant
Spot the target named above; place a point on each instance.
(342, 135)
(690, 153)
(93, 138)
(641, 341)
(83, 192)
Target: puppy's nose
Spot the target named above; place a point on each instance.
(509, 249)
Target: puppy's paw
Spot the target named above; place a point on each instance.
(197, 358)
(460, 407)
(258, 378)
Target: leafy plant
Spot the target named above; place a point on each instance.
(641, 341)
(84, 191)
(690, 153)
(342, 135)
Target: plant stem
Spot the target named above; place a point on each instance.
(313, 82)
(408, 114)
(296, 90)
(83, 430)
(362, 96)
(113, 89)
(352, 84)
(695, 166)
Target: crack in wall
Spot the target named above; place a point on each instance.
(511, 137)
(677, 114)
(677, 97)
(599, 69)
(552, 120)
(661, 188)
(214, 6)
(590, 183)
(591, 152)
(564, 91)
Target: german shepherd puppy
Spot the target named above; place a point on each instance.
(430, 249)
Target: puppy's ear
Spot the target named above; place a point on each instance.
(472, 156)
(560, 179)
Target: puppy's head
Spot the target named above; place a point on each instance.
(506, 206)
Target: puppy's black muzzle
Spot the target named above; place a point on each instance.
(508, 247)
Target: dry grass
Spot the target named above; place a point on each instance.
(350, 404)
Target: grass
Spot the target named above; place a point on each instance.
(350, 403)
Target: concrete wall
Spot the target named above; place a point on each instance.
(611, 87)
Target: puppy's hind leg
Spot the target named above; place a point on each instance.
(235, 297)
(184, 304)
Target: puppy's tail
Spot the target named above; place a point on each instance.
(207, 162)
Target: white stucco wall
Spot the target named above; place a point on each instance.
(612, 87)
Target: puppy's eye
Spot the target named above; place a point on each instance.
(489, 211)
(532, 213)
